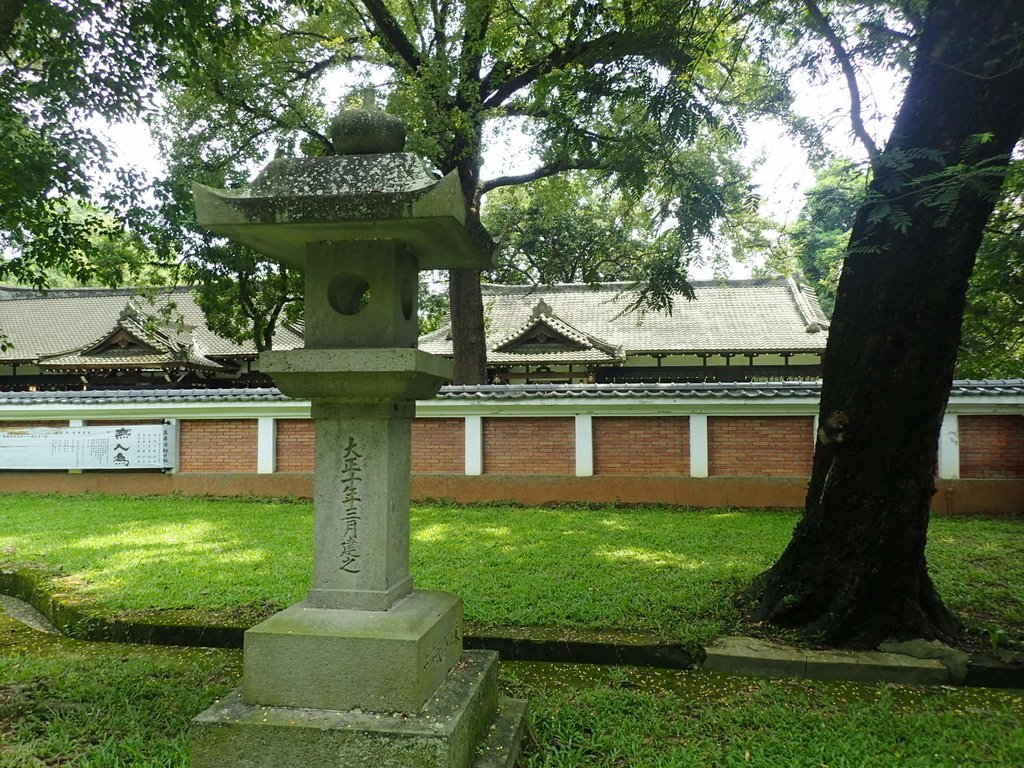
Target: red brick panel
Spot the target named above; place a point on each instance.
(530, 446)
(991, 446)
(295, 445)
(439, 445)
(217, 445)
(652, 445)
(751, 446)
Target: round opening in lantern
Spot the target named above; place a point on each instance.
(348, 294)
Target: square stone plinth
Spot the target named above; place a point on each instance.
(462, 725)
(385, 661)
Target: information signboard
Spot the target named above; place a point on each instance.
(132, 446)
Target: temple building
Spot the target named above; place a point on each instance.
(97, 338)
(739, 330)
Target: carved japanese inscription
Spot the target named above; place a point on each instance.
(351, 482)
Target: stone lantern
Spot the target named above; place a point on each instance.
(367, 671)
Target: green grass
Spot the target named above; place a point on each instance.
(673, 572)
(614, 717)
(978, 568)
(99, 705)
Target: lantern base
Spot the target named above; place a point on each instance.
(464, 725)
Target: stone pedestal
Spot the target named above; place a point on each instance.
(463, 725)
(384, 661)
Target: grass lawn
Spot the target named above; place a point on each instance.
(673, 572)
(98, 705)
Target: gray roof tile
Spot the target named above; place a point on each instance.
(726, 316)
(69, 319)
(738, 390)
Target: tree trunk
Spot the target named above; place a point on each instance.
(469, 341)
(468, 338)
(855, 573)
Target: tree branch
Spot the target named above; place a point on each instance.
(9, 13)
(392, 35)
(314, 69)
(477, 22)
(851, 78)
(415, 17)
(266, 114)
(584, 52)
(440, 37)
(542, 172)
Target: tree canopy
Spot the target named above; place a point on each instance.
(622, 90)
(65, 67)
(992, 344)
(568, 229)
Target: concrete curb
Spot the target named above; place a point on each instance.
(761, 658)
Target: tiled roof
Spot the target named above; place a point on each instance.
(545, 338)
(74, 318)
(736, 316)
(988, 387)
(750, 390)
(140, 396)
(731, 389)
(132, 343)
(739, 390)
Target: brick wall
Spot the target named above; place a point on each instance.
(295, 445)
(743, 446)
(539, 446)
(438, 445)
(226, 445)
(641, 445)
(992, 446)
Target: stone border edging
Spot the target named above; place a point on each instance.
(74, 622)
(729, 655)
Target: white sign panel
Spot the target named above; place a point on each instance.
(133, 446)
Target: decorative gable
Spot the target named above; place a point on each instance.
(541, 335)
(135, 342)
(121, 341)
(131, 337)
(545, 338)
(544, 332)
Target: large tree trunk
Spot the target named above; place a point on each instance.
(855, 572)
(466, 306)
(468, 337)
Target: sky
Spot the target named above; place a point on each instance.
(784, 174)
(782, 177)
